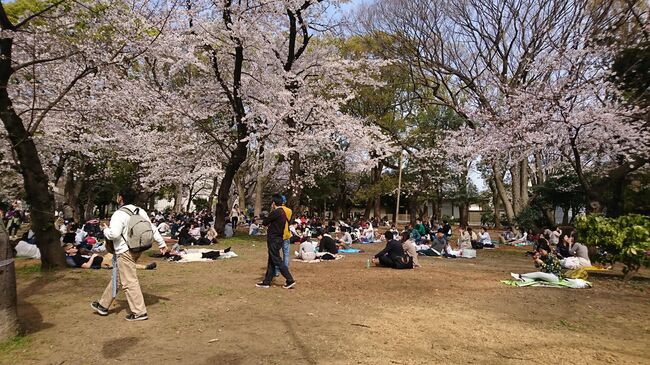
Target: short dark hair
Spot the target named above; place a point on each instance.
(543, 245)
(128, 194)
(388, 235)
(277, 199)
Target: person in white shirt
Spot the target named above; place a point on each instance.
(253, 229)
(164, 228)
(79, 236)
(126, 260)
(484, 238)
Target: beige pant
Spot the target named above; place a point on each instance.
(128, 279)
(108, 262)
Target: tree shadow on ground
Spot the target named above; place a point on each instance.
(617, 275)
(112, 349)
(225, 358)
(30, 318)
(304, 351)
(149, 300)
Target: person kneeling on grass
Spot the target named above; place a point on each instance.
(549, 265)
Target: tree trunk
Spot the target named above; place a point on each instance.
(495, 203)
(189, 198)
(37, 190)
(412, 209)
(241, 192)
(8, 300)
(516, 188)
(295, 183)
(236, 160)
(369, 205)
(507, 205)
(540, 176)
(178, 198)
(523, 185)
(463, 213)
(259, 194)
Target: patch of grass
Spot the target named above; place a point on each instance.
(242, 239)
(215, 290)
(13, 344)
(28, 270)
(569, 326)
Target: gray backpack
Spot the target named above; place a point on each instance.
(139, 232)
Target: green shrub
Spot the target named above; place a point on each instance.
(626, 238)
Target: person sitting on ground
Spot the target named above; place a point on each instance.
(228, 230)
(327, 244)
(184, 236)
(393, 254)
(369, 233)
(254, 228)
(70, 235)
(420, 227)
(439, 242)
(464, 238)
(414, 234)
(307, 251)
(394, 230)
(79, 235)
(346, 238)
(554, 236)
(473, 237)
(507, 236)
(211, 234)
(388, 255)
(549, 265)
(579, 253)
(164, 228)
(74, 258)
(410, 249)
(446, 229)
(484, 239)
(195, 230)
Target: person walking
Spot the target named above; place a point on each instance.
(275, 223)
(118, 232)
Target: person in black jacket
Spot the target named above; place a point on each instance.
(391, 253)
(327, 244)
(275, 223)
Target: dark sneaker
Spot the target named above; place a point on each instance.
(99, 309)
(263, 285)
(289, 285)
(132, 317)
(150, 266)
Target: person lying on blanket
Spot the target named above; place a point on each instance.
(548, 263)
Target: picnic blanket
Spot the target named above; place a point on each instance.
(564, 283)
(194, 255)
(336, 257)
(596, 268)
(350, 250)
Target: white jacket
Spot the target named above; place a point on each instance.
(119, 226)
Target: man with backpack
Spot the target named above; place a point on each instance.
(132, 233)
(276, 223)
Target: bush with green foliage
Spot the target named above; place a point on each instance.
(530, 218)
(627, 238)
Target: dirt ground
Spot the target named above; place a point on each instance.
(448, 311)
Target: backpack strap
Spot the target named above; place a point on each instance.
(128, 211)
